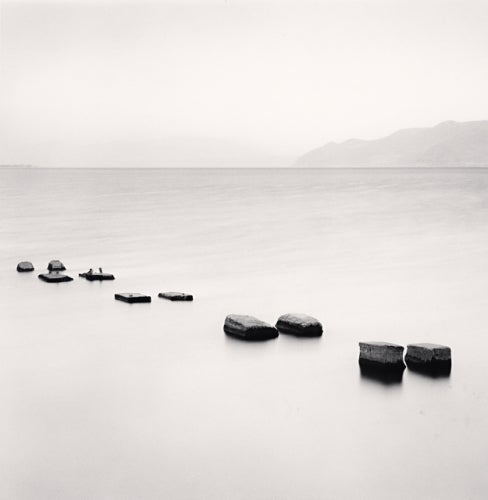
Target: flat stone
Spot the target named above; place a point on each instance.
(428, 354)
(97, 276)
(176, 296)
(56, 265)
(248, 328)
(381, 353)
(132, 298)
(25, 266)
(300, 325)
(55, 277)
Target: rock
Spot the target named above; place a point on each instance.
(97, 276)
(248, 328)
(176, 296)
(428, 355)
(56, 265)
(54, 277)
(25, 267)
(300, 325)
(381, 354)
(132, 297)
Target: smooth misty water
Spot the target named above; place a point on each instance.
(104, 400)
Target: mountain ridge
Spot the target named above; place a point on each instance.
(447, 144)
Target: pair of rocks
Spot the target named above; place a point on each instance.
(251, 328)
(54, 265)
(133, 298)
(54, 275)
(423, 355)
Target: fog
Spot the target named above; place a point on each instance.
(229, 83)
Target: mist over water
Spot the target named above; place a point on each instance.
(108, 400)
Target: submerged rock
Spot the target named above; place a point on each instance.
(300, 325)
(381, 354)
(248, 328)
(25, 267)
(176, 296)
(428, 355)
(54, 277)
(56, 265)
(132, 297)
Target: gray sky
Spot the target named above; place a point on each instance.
(100, 83)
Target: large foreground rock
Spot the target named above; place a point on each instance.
(248, 328)
(300, 325)
(428, 355)
(176, 296)
(55, 277)
(56, 265)
(132, 298)
(25, 267)
(381, 354)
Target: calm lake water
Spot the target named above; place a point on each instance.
(102, 400)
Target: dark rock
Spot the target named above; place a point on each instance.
(300, 325)
(248, 328)
(176, 296)
(56, 265)
(381, 354)
(25, 267)
(132, 298)
(55, 277)
(428, 355)
(97, 276)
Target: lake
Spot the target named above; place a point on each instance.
(105, 400)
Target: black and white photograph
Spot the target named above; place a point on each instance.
(243, 249)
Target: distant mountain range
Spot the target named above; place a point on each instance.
(449, 144)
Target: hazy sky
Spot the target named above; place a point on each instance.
(99, 82)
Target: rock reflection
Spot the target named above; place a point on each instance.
(382, 374)
(432, 371)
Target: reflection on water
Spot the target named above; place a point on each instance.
(250, 340)
(103, 400)
(435, 371)
(382, 374)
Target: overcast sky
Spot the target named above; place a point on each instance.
(85, 83)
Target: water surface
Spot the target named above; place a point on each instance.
(105, 400)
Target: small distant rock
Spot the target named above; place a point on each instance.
(54, 277)
(97, 276)
(300, 325)
(176, 296)
(428, 355)
(56, 265)
(381, 354)
(248, 328)
(132, 298)
(25, 267)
